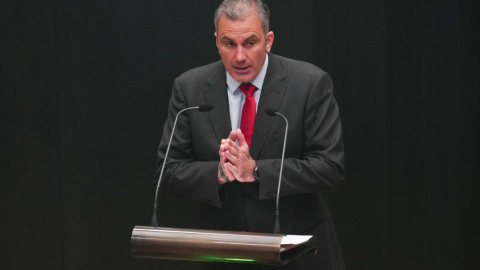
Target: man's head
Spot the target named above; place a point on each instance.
(242, 36)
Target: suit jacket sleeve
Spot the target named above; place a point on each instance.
(191, 169)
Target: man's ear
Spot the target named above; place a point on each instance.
(216, 39)
(269, 41)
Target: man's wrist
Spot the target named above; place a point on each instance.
(222, 174)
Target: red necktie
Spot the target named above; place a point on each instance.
(249, 111)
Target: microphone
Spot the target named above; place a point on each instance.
(200, 108)
(273, 112)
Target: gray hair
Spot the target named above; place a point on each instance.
(237, 10)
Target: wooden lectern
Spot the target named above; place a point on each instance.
(221, 246)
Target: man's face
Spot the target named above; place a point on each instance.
(242, 46)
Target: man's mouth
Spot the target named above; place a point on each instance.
(242, 69)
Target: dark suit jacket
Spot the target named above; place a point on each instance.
(314, 155)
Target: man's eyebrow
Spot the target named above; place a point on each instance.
(229, 39)
(250, 37)
(226, 38)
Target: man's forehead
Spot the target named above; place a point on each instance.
(252, 22)
(226, 37)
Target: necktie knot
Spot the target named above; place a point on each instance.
(247, 89)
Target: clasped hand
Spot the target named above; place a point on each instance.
(235, 160)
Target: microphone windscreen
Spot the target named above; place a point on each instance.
(205, 107)
(270, 111)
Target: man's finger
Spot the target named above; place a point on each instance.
(227, 171)
(223, 158)
(232, 158)
(232, 169)
(233, 146)
(222, 146)
(233, 135)
(241, 139)
(225, 168)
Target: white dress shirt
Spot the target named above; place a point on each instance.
(236, 98)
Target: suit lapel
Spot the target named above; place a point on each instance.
(272, 94)
(216, 95)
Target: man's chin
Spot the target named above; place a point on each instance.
(240, 77)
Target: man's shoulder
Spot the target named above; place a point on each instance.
(295, 67)
(203, 72)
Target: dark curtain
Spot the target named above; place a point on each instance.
(84, 93)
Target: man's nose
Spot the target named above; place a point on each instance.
(240, 55)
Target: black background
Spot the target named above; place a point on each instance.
(84, 93)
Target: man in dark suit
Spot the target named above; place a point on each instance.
(229, 162)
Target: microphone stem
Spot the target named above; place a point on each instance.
(277, 211)
(154, 216)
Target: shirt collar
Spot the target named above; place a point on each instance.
(257, 81)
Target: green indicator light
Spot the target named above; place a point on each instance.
(221, 259)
